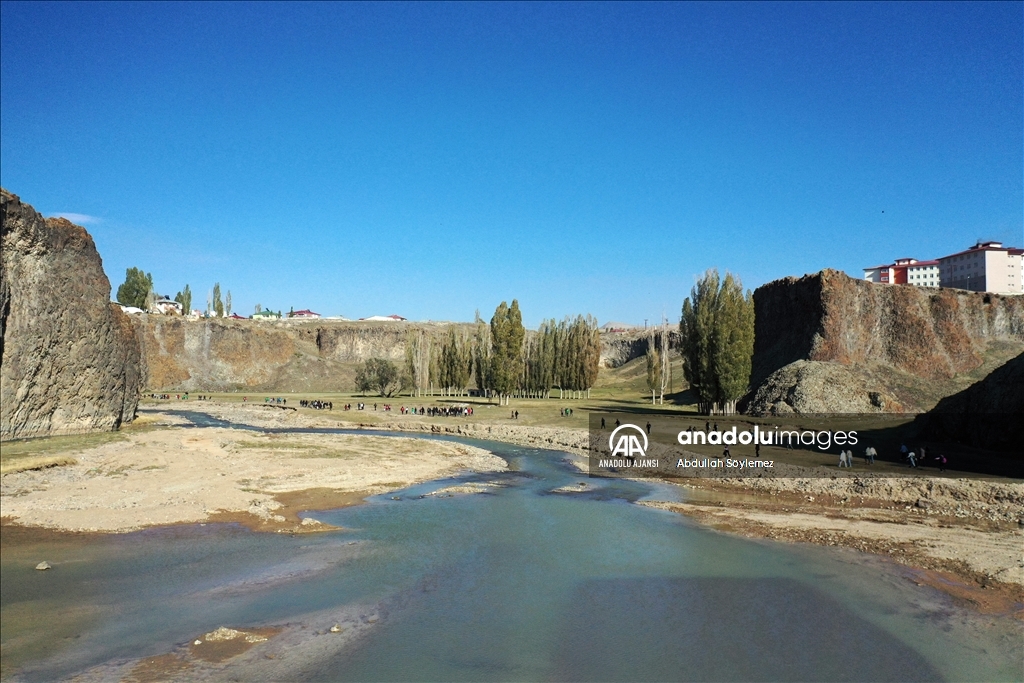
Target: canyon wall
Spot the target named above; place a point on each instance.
(69, 358)
(262, 356)
(901, 341)
(291, 355)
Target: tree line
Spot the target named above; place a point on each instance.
(500, 359)
(137, 291)
(717, 335)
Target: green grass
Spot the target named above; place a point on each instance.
(22, 448)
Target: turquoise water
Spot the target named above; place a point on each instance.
(517, 584)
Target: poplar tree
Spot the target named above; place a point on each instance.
(507, 336)
(218, 304)
(184, 297)
(136, 288)
(717, 330)
(227, 304)
(653, 369)
(417, 360)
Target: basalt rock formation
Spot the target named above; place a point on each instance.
(618, 348)
(216, 354)
(69, 358)
(284, 356)
(901, 347)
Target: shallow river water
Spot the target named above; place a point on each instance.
(516, 584)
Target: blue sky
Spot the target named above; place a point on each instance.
(434, 159)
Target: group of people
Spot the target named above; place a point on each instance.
(913, 459)
(317, 405)
(920, 458)
(179, 397)
(444, 411)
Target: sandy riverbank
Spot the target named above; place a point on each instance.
(176, 475)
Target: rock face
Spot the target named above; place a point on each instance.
(618, 348)
(247, 355)
(988, 414)
(885, 337)
(69, 358)
(182, 354)
(808, 386)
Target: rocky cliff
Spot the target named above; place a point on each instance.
(907, 346)
(69, 359)
(618, 348)
(182, 354)
(284, 356)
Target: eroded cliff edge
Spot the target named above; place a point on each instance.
(829, 343)
(69, 358)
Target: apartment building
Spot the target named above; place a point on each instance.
(985, 267)
(905, 271)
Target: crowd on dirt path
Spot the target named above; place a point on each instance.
(438, 411)
(317, 405)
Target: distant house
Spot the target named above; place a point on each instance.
(304, 314)
(131, 310)
(265, 315)
(384, 318)
(166, 306)
(235, 316)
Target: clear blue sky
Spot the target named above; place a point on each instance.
(429, 160)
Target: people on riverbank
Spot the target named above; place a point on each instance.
(317, 405)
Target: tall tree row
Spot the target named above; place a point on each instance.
(717, 330)
(503, 360)
(455, 363)
(418, 353)
(507, 337)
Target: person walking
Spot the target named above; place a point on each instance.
(842, 459)
(912, 458)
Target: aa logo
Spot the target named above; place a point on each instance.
(627, 444)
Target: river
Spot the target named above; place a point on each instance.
(519, 583)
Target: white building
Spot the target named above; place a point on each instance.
(905, 271)
(923, 274)
(985, 267)
(166, 306)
